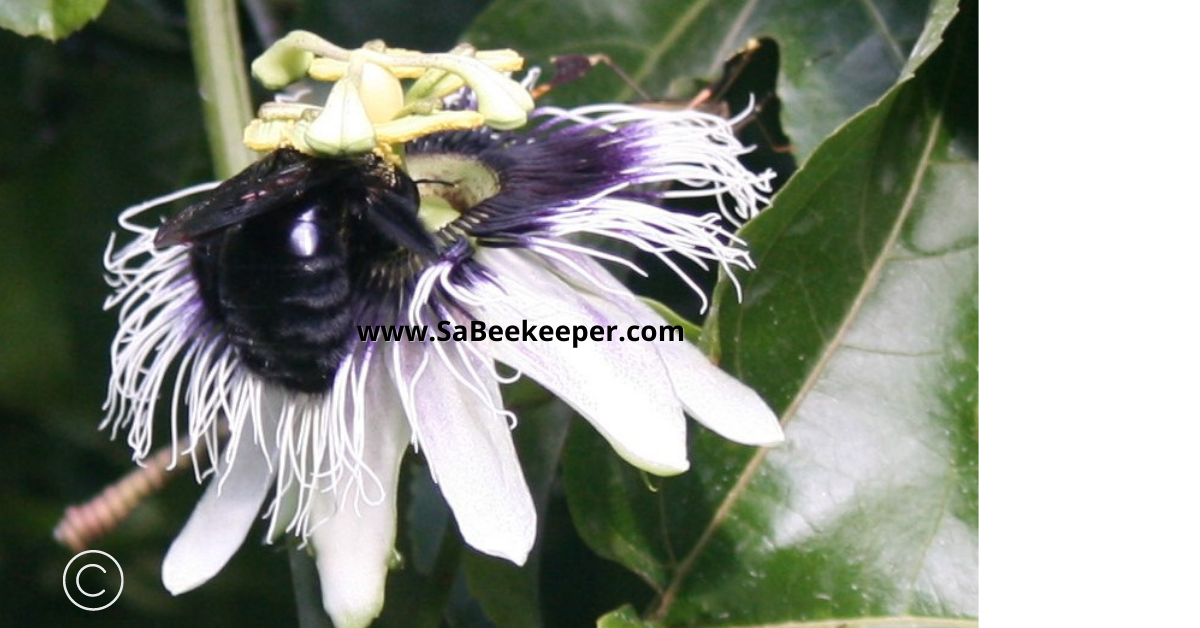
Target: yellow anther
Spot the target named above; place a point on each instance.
(410, 128)
(501, 59)
(267, 135)
(287, 111)
(368, 108)
(325, 69)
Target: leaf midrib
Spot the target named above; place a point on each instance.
(678, 28)
(814, 376)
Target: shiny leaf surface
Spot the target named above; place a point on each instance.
(860, 326)
(624, 617)
(837, 56)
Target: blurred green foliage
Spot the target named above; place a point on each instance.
(860, 327)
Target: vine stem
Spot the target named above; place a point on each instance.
(225, 99)
(221, 78)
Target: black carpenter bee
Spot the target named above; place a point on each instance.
(286, 255)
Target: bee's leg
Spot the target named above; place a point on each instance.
(395, 217)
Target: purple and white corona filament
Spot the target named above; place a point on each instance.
(492, 238)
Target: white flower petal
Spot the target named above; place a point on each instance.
(356, 533)
(283, 509)
(710, 395)
(621, 388)
(717, 400)
(221, 519)
(462, 428)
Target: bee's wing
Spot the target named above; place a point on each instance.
(278, 178)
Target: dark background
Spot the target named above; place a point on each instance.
(89, 125)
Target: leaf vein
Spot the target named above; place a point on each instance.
(881, 24)
(677, 30)
(872, 278)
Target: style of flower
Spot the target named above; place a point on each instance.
(502, 199)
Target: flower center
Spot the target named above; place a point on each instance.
(368, 109)
(450, 186)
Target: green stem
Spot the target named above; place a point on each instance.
(221, 77)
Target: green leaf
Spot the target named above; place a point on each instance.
(691, 331)
(51, 19)
(838, 56)
(860, 326)
(624, 617)
(81, 152)
(871, 508)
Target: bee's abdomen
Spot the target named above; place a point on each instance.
(283, 290)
